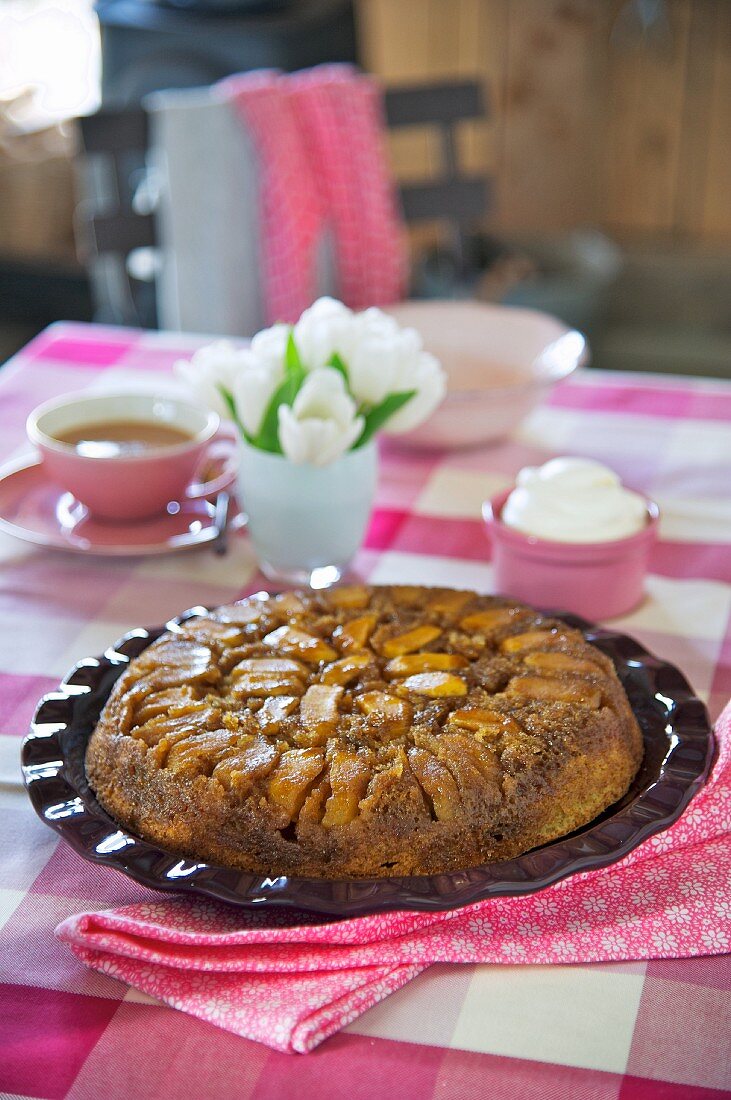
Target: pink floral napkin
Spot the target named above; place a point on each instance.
(292, 985)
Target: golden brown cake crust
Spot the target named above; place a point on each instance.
(364, 732)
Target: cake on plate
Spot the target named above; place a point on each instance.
(364, 732)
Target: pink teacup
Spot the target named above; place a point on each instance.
(118, 486)
(594, 579)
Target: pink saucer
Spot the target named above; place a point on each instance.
(34, 509)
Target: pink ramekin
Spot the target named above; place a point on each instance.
(594, 579)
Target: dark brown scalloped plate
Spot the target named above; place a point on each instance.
(678, 752)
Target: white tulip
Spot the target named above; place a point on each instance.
(270, 345)
(388, 359)
(382, 354)
(253, 389)
(380, 359)
(325, 328)
(322, 423)
(212, 369)
(427, 376)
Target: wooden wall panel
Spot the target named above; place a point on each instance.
(455, 51)
(552, 114)
(593, 122)
(705, 23)
(395, 45)
(716, 201)
(644, 109)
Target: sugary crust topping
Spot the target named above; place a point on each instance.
(307, 700)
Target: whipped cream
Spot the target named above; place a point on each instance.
(573, 500)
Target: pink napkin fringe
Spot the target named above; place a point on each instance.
(291, 986)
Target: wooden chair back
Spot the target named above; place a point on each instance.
(454, 197)
(110, 227)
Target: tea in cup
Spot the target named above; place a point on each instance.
(126, 456)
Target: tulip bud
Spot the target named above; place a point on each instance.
(322, 423)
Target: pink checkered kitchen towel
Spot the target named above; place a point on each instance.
(291, 987)
(319, 136)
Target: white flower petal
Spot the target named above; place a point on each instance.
(372, 369)
(201, 387)
(270, 345)
(325, 440)
(322, 423)
(323, 395)
(325, 328)
(211, 368)
(384, 357)
(330, 441)
(313, 440)
(253, 390)
(293, 441)
(430, 382)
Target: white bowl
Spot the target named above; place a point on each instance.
(501, 363)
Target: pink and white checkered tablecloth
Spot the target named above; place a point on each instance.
(650, 1030)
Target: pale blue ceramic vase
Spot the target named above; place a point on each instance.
(307, 522)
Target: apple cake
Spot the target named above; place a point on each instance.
(364, 731)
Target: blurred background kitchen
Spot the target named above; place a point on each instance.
(567, 155)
